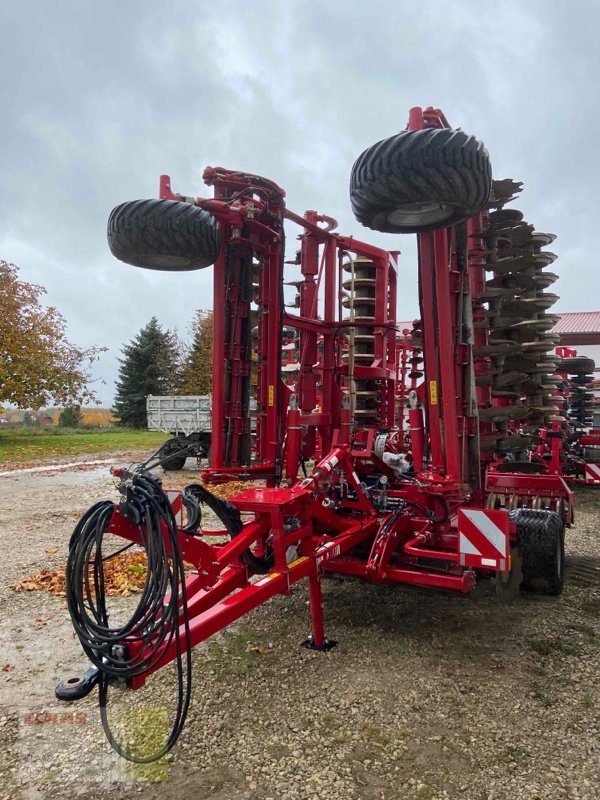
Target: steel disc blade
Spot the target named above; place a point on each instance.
(545, 279)
(506, 264)
(543, 239)
(515, 444)
(505, 215)
(503, 412)
(497, 348)
(504, 190)
(544, 258)
(531, 387)
(493, 292)
(509, 379)
(534, 324)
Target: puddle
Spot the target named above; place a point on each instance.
(30, 480)
(56, 467)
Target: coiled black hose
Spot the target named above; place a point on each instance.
(155, 621)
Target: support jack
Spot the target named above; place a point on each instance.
(328, 644)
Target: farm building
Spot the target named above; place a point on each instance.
(581, 331)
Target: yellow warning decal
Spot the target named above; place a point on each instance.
(271, 395)
(297, 561)
(433, 393)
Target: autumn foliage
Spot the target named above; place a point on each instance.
(38, 365)
(123, 575)
(196, 374)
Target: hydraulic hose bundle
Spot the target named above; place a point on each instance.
(161, 607)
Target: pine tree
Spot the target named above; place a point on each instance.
(70, 417)
(149, 366)
(196, 374)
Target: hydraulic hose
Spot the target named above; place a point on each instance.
(155, 621)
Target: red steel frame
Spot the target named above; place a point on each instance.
(355, 514)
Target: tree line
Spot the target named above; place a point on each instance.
(39, 366)
(158, 362)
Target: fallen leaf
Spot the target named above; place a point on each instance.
(52, 550)
(8, 667)
(257, 648)
(26, 586)
(123, 575)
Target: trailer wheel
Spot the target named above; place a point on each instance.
(175, 461)
(163, 234)
(541, 541)
(420, 180)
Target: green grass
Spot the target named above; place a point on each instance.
(33, 444)
(587, 701)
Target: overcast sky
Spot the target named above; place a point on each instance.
(99, 99)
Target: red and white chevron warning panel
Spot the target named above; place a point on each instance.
(592, 473)
(483, 538)
(176, 504)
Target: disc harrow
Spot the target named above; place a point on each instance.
(416, 459)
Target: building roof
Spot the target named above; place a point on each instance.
(578, 322)
(578, 327)
(573, 327)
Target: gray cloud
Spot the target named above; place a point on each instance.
(100, 99)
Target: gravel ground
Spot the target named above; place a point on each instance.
(427, 695)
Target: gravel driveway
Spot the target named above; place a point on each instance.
(427, 695)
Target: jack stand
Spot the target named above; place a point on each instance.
(317, 640)
(323, 648)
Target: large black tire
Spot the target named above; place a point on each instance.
(541, 542)
(420, 180)
(579, 365)
(163, 234)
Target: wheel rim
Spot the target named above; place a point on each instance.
(421, 214)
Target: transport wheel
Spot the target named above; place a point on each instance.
(541, 541)
(420, 180)
(508, 584)
(163, 234)
(174, 462)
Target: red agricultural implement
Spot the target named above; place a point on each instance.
(391, 459)
(565, 444)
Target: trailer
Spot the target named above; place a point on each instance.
(446, 500)
(188, 419)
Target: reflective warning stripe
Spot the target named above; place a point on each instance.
(483, 539)
(465, 546)
(176, 504)
(485, 530)
(592, 473)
